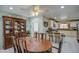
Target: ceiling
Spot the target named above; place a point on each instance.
(53, 11)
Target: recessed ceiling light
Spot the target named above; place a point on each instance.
(62, 7)
(11, 8)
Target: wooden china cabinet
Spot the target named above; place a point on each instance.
(11, 26)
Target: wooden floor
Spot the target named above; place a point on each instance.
(70, 45)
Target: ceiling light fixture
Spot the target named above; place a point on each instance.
(37, 10)
(62, 7)
(35, 13)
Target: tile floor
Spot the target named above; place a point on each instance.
(70, 45)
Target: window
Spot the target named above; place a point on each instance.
(64, 26)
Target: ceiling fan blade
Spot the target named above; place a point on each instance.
(44, 10)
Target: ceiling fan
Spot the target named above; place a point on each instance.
(36, 10)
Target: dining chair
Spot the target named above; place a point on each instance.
(58, 43)
(57, 37)
(15, 39)
(25, 46)
(42, 36)
(24, 42)
(15, 45)
(21, 45)
(58, 48)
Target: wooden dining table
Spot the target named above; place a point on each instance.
(37, 45)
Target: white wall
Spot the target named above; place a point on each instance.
(1, 32)
(36, 19)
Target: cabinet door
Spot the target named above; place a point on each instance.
(7, 42)
(8, 31)
(22, 26)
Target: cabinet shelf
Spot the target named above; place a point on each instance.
(11, 26)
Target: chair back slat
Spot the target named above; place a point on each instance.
(14, 44)
(21, 45)
(43, 36)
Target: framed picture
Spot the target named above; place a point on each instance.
(45, 24)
